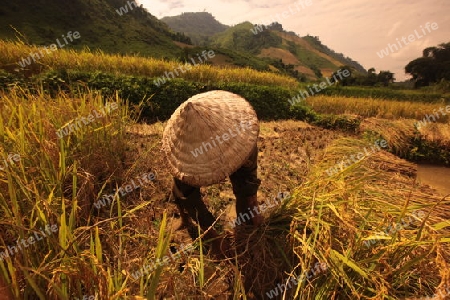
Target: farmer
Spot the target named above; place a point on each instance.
(209, 137)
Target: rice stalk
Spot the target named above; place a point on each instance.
(51, 185)
(330, 219)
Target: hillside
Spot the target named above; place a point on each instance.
(199, 26)
(297, 53)
(284, 51)
(123, 27)
(114, 26)
(314, 40)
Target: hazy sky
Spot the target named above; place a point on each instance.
(357, 28)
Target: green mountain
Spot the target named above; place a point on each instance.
(272, 45)
(240, 37)
(307, 55)
(121, 26)
(314, 40)
(198, 26)
(114, 26)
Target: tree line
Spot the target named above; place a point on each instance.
(432, 68)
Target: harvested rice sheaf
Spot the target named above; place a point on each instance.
(380, 235)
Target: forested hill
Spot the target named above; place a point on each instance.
(199, 26)
(122, 26)
(115, 26)
(286, 50)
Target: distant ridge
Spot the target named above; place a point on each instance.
(300, 57)
(125, 27)
(197, 25)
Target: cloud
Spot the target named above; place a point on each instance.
(394, 27)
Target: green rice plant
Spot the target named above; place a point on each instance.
(161, 250)
(47, 194)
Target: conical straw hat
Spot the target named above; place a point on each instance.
(209, 137)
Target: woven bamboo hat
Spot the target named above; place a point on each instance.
(209, 137)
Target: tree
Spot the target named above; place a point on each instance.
(385, 77)
(275, 26)
(432, 67)
(349, 80)
(371, 77)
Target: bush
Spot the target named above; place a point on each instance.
(428, 152)
(8, 79)
(159, 102)
(303, 113)
(384, 93)
(270, 103)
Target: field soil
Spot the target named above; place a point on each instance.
(287, 150)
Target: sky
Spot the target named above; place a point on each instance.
(359, 29)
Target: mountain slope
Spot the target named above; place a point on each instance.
(314, 40)
(199, 26)
(115, 26)
(273, 42)
(241, 38)
(284, 50)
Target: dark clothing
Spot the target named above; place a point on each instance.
(245, 183)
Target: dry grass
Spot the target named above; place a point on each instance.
(437, 133)
(55, 183)
(397, 133)
(330, 218)
(402, 135)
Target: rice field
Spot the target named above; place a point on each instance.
(378, 108)
(367, 232)
(88, 61)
